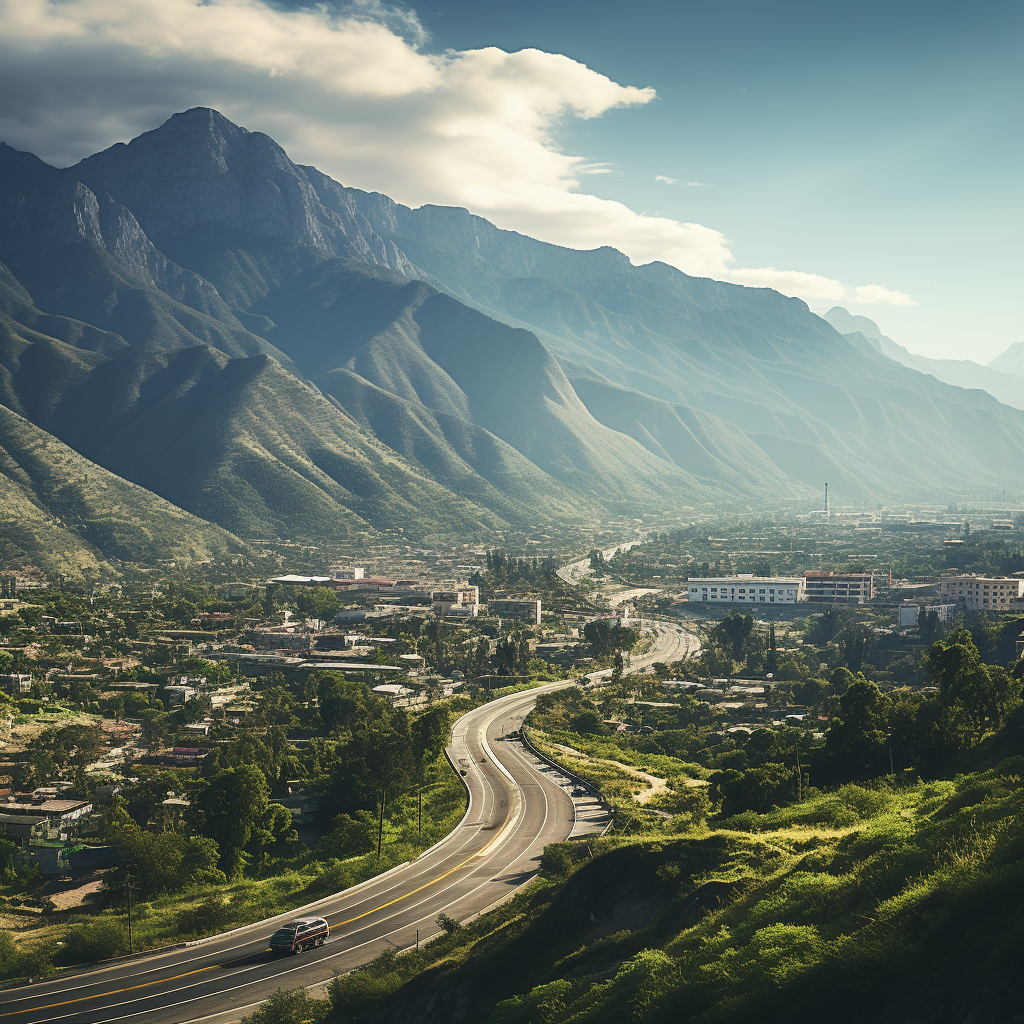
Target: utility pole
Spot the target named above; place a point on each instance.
(799, 775)
(131, 944)
(419, 818)
(380, 824)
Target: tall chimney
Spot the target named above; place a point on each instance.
(826, 497)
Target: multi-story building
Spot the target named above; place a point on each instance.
(745, 588)
(456, 602)
(527, 611)
(983, 593)
(840, 588)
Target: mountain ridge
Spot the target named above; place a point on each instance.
(423, 370)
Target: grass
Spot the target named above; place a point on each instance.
(865, 903)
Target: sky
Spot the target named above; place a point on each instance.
(852, 153)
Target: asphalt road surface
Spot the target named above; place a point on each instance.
(516, 807)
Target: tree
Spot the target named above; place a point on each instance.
(732, 633)
(339, 700)
(318, 603)
(429, 733)
(276, 707)
(974, 696)
(856, 743)
(231, 806)
(155, 862)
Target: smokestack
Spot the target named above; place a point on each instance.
(826, 497)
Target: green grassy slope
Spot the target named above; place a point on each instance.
(861, 905)
(63, 513)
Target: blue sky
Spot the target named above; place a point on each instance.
(861, 141)
(858, 154)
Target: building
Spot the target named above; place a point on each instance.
(908, 615)
(16, 683)
(62, 816)
(456, 602)
(745, 588)
(339, 572)
(839, 588)
(24, 828)
(8, 585)
(524, 611)
(982, 593)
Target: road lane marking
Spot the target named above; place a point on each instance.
(482, 852)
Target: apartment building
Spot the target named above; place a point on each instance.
(525, 611)
(745, 588)
(982, 593)
(840, 588)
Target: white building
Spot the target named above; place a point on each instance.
(461, 602)
(745, 588)
(982, 593)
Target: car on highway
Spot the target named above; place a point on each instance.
(298, 936)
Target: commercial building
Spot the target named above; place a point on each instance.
(839, 588)
(982, 593)
(745, 588)
(909, 615)
(524, 611)
(456, 602)
(16, 683)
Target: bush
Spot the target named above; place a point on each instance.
(207, 917)
(447, 924)
(101, 939)
(294, 1007)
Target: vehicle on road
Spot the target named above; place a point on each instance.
(298, 936)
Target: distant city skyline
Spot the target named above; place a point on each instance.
(864, 155)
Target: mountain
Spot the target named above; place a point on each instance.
(1010, 361)
(963, 373)
(63, 513)
(287, 357)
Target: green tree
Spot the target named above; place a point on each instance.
(231, 806)
(318, 603)
(857, 740)
(974, 696)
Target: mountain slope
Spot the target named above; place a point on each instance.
(962, 373)
(288, 355)
(1010, 361)
(65, 514)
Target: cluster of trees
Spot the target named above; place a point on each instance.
(507, 572)
(870, 732)
(606, 638)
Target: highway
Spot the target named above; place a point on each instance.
(516, 807)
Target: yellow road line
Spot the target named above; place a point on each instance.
(212, 967)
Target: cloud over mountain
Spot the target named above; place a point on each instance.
(360, 95)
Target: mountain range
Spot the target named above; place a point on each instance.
(242, 340)
(1003, 377)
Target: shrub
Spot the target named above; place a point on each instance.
(294, 1007)
(206, 917)
(101, 939)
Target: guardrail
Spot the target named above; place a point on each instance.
(571, 775)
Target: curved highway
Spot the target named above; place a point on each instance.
(516, 807)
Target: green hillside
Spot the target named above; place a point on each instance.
(63, 513)
(870, 904)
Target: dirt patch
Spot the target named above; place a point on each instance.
(655, 784)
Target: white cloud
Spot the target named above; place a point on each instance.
(817, 291)
(357, 94)
(676, 181)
